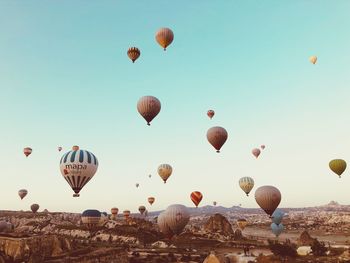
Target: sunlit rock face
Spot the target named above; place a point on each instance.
(218, 224)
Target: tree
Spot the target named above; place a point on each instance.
(318, 248)
(282, 249)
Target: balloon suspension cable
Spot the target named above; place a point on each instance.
(133, 61)
(148, 124)
(76, 195)
(217, 151)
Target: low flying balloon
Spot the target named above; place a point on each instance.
(78, 167)
(211, 113)
(34, 208)
(256, 152)
(142, 209)
(59, 149)
(313, 59)
(277, 229)
(137, 185)
(22, 193)
(338, 166)
(211, 259)
(262, 146)
(164, 171)
(27, 151)
(217, 136)
(214, 203)
(126, 214)
(164, 37)
(91, 218)
(134, 53)
(268, 198)
(277, 216)
(196, 197)
(114, 211)
(242, 223)
(151, 200)
(246, 184)
(148, 107)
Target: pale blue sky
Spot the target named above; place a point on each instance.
(65, 79)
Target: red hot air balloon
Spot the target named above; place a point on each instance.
(27, 151)
(217, 136)
(151, 200)
(134, 53)
(211, 113)
(164, 37)
(256, 152)
(268, 198)
(196, 197)
(148, 107)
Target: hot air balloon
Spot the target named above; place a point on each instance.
(137, 185)
(59, 149)
(151, 200)
(27, 151)
(242, 223)
(114, 211)
(313, 59)
(262, 146)
(134, 53)
(217, 136)
(164, 171)
(277, 229)
(214, 203)
(164, 37)
(211, 259)
(277, 216)
(34, 208)
(75, 148)
(268, 198)
(22, 193)
(148, 107)
(142, 209)
(78, 167)
(338, 166)
(173, 220)
(246, 184)
(196, 197)
(256, 152)
(126, 214)
(211, 113)
(91, 218)
(149, 175)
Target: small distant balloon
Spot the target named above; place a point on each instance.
(262, 147)
(126, 214)
(215, 203)
(149, 175)
(217, 136)
(91, 218)
(277, 216)
(142, 209)
(313, 59)
(196, 197)
(277, 229)
(114, 211)
(134, 53)
(22, 193)
(164, 37)
(338, 166)
(148, 107)
(59, 148)
(137, 185)
(246, 184)
(27, 151)
(242, 223)
(256, 152)
(34, 208)
(165, 171)
(151, 200)
(211, 113)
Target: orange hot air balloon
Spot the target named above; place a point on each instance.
(268, 198)
(164, 37)
(211, 113)
(75, 148)
(196, 197)
(256, 152)
(262, 146)
(151, 200)
(217, 136)
(27, 151)
(148, 107)
(134, 53)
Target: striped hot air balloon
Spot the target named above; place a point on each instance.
(246, 184)
(22, 193)
(217, 136)
(148, 107)
(134, 53)
(151, 200)
(211, 113)
(78, 167)
(164, 171)
(173, 220)
(91, 218)
(338, 166)
(268, 198)
(164, 37)
(27, 151)
(256, 152)
(34, 208)
(196, 197)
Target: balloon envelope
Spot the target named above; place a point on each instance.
(27, 151)
(164, 171)
(148, 107)
(114, 210)
(22, 193)
(34, 208)
(151, 200)
(277, 216)
(196, 197)
(217, 136)
(246, 184)
(338, 166)
(242, 223)
(277, 229)
(164, 37)
(133, 53)
(126, 214)
(211, 113)
(268, 198)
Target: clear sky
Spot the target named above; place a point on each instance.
(65, 79)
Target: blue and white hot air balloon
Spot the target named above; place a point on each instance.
(78, 167)
(277, 216)
(277, 229)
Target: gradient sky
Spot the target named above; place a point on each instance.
(65, 79)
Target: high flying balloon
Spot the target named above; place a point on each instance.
(59, 149)
(133, 53)
(137, 185)
(338, 166)
(242, 223)
(78, 167)
(148, 107)
(164, 37)
(256, 152)
(313, 59)
(151, 200)
(217, 136)
(246, 184)
(27, 151)
(196, 197)
(268, 198)
(211, 113)
(22, 193)
(164, 171)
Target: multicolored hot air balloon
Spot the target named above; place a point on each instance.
(22, 193)
(268, 198)
(59, 148)
(277, 229)
(148, 107)
(27, 151)
(277, 216)
(164, 37)
(217, 136)
(151, 200)
(34, 208)
(256, 152)
(242, 223)
(211, 113)
(246, 184)
(164, 171)
(196, 197)
(262, 147)
(134, 53)
(126, 214)
(313, 59)
(91, 218)
(142, 209)
(78, 167)
(338, 166)
(137, 185)
(215, 203)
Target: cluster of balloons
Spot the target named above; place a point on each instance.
(276, 225)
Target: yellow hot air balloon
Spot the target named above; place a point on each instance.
(164, 171)
(338, 166)
(211, 258)
(313, 59)
(242, 223)
(246, 184)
